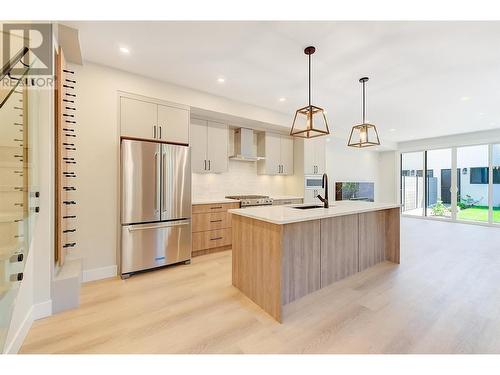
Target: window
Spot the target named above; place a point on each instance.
(479, 175)
(496, 175)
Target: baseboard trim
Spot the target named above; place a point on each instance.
(42, 310)
(20, 335)
(99, 273)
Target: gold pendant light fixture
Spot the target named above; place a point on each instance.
(364, 134)
(309, 121)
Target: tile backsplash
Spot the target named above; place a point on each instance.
(241, 178)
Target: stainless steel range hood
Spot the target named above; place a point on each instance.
(244, 149)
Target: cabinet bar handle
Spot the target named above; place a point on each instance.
(215, 208)
(159, 128)
(216, 221)
(205, 165)
(209, 168)
(154, 131)
(216, 238)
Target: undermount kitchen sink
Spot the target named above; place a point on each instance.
(308, 207)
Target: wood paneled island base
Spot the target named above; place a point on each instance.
(275, 264)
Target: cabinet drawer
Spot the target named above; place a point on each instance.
(211, 239)
(215, 207)
(211, 221)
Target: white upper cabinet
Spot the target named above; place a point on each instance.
(286, 155)
(146, 120)
(278, 152)
(314, 155)
(138, 118)
(173, 124)
(198, 146)
(217, 147)
(209, 146)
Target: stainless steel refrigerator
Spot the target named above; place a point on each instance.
(156, 205)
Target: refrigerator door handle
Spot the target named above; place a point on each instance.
(132, 228)
(163, 183)
(156, 182)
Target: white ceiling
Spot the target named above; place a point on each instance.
(426, 78)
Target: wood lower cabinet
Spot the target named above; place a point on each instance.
(276, 264)
(211, 227)
(378, 237)
(211, 239)
(339, 248)
(301, 261)
(372, 235)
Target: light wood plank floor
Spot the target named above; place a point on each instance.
(443, 298)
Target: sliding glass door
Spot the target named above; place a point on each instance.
(458, 183)
(495, 196)
(438, 183)
(412, 183)
(472, 197)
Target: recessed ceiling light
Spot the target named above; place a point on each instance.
(124, 50)
(392, 130)
(465, 98)
(221, 80)
(282, 99)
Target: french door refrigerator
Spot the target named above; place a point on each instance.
(156, 205)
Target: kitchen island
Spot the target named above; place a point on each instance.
(282, 253)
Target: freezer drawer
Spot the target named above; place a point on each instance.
(146, 246)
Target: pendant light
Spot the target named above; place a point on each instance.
(309, 121)
(363, 135)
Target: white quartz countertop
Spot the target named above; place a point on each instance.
(287, 214)
(284, 197)
(214, 200)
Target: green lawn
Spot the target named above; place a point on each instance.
(478, 213)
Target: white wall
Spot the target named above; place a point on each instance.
(347, 164)
(388, 177)
(98, 152)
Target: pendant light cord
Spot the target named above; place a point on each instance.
(309, 80)
(364, 102)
